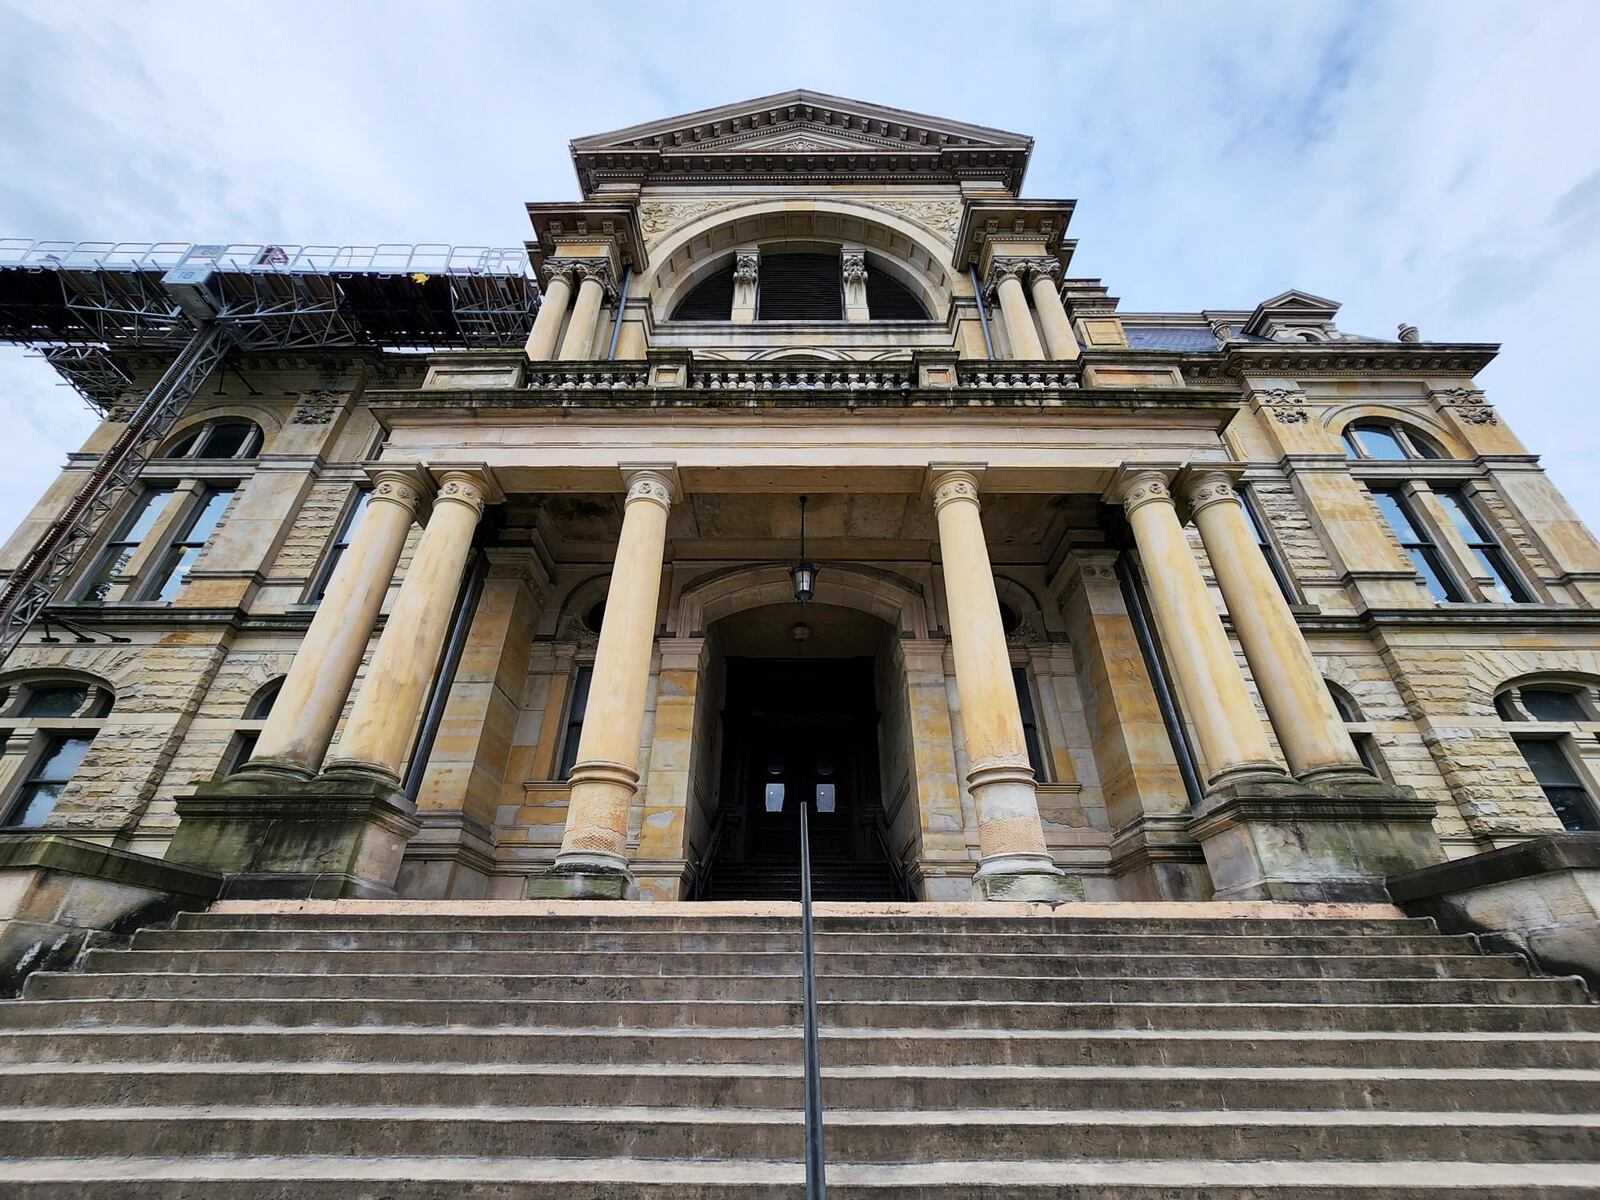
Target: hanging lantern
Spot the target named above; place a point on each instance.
(803, 574)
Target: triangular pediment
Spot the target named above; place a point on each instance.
(1289, 307)
(801, 133)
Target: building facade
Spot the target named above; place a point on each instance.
(821, 478)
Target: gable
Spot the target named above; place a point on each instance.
(801, 134)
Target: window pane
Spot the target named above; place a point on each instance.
(244, 749)
(1548, 704)
(226, 440)
(1465, 520)
(354, 518)
(184, 446)
(61, 758)
(1502, 705)
(149, 508)
(1399, 520)
(1573, 808)
(210, 513)
(262, 708)
(1549, 765)
(1030, 722)
(54, 701)
(1379, 443)
(575, 714)
(1433, 574)
(35, 803)
(170, 577)
(1504, 585)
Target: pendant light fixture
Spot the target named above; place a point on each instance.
(804, 573)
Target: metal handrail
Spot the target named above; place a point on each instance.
(816, 1159)
(897, 868)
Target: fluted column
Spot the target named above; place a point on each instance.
(303, 719)
(1044, 278)
(1010, 835)
(1309, 727)
(1232, 739)
(595, 280)
(541, 345)
(1024, 339)
(378, 734)
(606, 777)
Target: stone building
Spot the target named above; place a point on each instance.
(822, 477)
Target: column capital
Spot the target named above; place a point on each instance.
(559, 268)
(657, 484)
(1201, 485)
(405, 484)
(1086, 568)
(949, 484)
(1137, 485)
(472, 484)
(1015, 266)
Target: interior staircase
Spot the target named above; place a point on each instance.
(617, 1051)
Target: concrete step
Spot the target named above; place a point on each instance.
(1062, 921)
(829, 963)
(739, 1085)
(853, 1135)
(1549, 1014)
(523, 1178)
(785, 941)
(365, 1044)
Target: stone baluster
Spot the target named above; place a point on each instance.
(1233, 741)
(1309, 727)
(594, 286)
(553, 304)
(378, 734)
(297, 734)
(1044, 276)
(593, 861)
(1014, 863)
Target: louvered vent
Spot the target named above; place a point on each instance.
(800, 287)
(890, 300)
(709, 300)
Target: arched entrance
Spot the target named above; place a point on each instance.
(799, 723)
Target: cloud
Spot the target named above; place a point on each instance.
(1426, 162)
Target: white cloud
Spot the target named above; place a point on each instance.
(1433, 163)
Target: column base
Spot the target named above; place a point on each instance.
(581, 881)
(1333, 840)
(1155, 857)
(324, 838)
(1025, 878)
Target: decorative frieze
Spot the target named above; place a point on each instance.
(1287, 405)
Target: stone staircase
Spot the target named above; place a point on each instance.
(618, 1051)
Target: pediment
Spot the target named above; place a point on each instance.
(1293, 306)
(805, 134)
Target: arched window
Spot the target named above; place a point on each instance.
(256, 713)
(218, 438)
(1366, 742)
(1558, 722)
(800, 286)
(46, 727)
(1386, 441)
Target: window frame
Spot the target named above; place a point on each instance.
(201, 433)
(1270, 550)
(577, 705)
(241, 747)
(1032, 726)
(123, 548)
(355, 509)
(1426, 547)
(1587, 802)
(1484, 548)
(28, 742)
(1570, 738)
(1417, 446)
(166, 563)
(1362, 733)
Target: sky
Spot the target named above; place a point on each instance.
(1436, 164)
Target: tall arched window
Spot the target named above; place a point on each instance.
(46, 728)
(1558, 724)
(243, 747)
(800, 286)
(1355, 723)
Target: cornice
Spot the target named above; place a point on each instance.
(1354, 358)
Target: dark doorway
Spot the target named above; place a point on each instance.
(793, 729)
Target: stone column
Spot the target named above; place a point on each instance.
(378, 734)
(1024, 339)
(592, 291)
(593, 861)
(1044, 277)
(297, 734)
(541, 345)
(1309, 728)
(1013, 861)
(1232, 740)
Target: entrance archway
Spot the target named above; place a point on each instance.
(802, 687)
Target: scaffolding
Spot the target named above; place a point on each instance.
(86, 306)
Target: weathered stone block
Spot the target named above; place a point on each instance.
(1333, 841)
(1541, 898)
(58, 894)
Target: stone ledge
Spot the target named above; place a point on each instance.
(1539, 856)
(72, 856)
